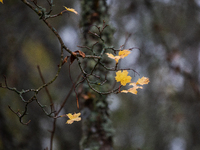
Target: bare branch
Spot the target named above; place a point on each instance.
(19, 115)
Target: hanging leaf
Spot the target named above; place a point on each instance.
(143, 80)
(72, 57)
(81, 53)
(122, 77)
(133, 90)
(74, 117)
(71, 9)
(121, 54)
(65, 60)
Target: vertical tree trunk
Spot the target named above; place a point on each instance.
(96, 127)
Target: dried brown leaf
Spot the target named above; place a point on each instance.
(65, 60)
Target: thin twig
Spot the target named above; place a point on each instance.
(69, 93)
(19, 115)
(46, 89)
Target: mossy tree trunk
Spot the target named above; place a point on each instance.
(96, 124)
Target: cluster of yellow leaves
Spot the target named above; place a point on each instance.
(121, 54)
(1, 1)
(133, 90)
(71, 9)
(72, 118)
(122, 76)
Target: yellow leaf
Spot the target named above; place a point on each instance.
(124, 53)
(71, 9)
(121, 54)
(124, 91)
(143, 80)
(113, 57)
(133, 90)
(74, 117)
(1, 1)
(122, 77)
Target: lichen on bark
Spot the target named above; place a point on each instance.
(97, 130)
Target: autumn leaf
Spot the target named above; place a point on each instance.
(72, 57)
(80, 53)
(143, 80)
(122, 77)
(121, 54)
(74, 117)
(1, 1)
(71, 9)
(133, 90)
(113, 57)
(65, 60)
(124, 53)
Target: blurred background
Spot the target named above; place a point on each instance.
(165, 115)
